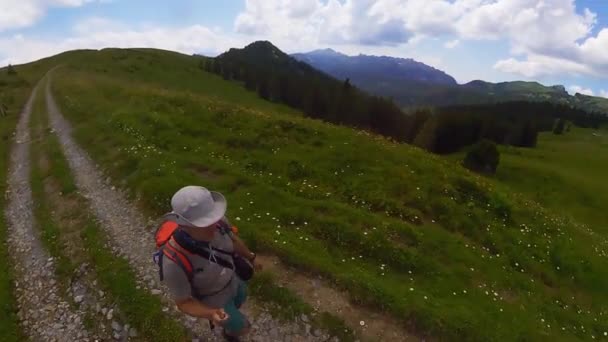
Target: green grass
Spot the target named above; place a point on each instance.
(286, 305)
(48, 229)
(401, 230)
(141, 309)
(565, 172)
(9, 326)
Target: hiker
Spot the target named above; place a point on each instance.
(203, 262)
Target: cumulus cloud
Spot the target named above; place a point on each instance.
(547, 37)
(96, 33)
(23, 13)
(603, 93)
(332, 22)
(452, 44)
(573, 89)
(538, 65)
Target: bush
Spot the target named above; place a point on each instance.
(560, 125)
(483, 157)
(11, 70)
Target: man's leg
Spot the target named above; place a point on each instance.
(241, 295)
(237, 324)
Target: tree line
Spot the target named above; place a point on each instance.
(318, 95)
(517, 123)
(440, 130)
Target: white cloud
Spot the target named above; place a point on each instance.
(452, 44)
(573, 89)
(16, 14)
(302, 8)
(538, 65)
(595, 49)
(97, 33)
(332, 22)
(547, 37)
(603, 93)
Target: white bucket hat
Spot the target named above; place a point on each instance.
(195, 206)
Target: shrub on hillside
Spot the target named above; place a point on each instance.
(483, 157)
(560, 125)
(11, 70)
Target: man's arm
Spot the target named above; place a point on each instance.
(193, 307)
(241, 249)
(180, 289)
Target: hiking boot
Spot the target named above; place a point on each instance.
(230, 338)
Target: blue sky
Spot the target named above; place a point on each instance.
(551, 41)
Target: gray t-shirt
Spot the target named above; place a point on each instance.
(215, 284)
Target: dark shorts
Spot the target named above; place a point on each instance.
(236, 320)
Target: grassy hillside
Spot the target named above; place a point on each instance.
(565, 172)
(446, 252)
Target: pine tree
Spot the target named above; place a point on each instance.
(250, 83)
(209, 66)
(530, 135)
(11, 70)
(427, 135)
(217, 67)
(347, 85)
(264, 89)
(560, 124)
(227, 72)
(483, 157)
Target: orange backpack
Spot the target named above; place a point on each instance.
(164, 233)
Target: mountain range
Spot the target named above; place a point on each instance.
(412, 83)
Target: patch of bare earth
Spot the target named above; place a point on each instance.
(368, 324)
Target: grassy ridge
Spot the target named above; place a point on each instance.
(399, 229)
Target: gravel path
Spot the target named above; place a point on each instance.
(126, 226)
(45, 316)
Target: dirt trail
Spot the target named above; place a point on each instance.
(127, 228)
(45, 316)
(370, 325)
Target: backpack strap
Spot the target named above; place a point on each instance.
(180, 259)
(201, 249)
(225, 228)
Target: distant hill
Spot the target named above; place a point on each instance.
(379, 75)
(279, 77)
(411, 83)
(374, 71)
(264, 55)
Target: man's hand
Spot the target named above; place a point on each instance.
(196, 308)
(219, 316)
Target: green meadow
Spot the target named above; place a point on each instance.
(566, 173)
(449, 254)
